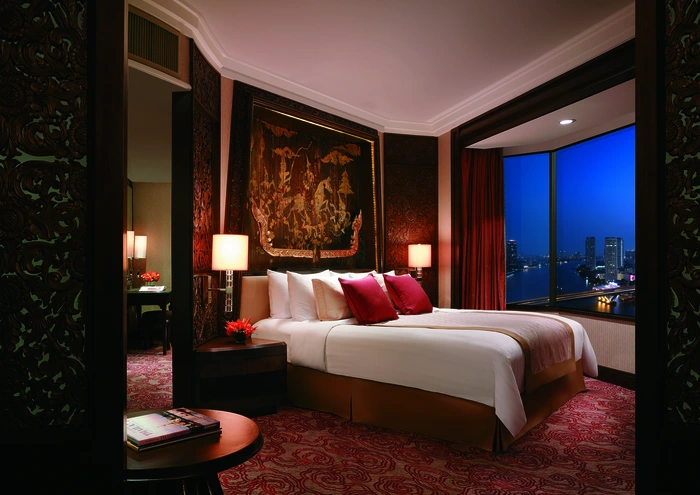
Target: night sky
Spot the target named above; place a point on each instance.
(595, 195)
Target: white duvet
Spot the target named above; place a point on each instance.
(482, 366)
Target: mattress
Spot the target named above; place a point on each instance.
(482, 366)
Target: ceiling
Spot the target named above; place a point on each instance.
(411, 66)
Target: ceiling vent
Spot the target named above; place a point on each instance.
(153, 43)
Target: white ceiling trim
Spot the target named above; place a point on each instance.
(600, 38)
(595, 41)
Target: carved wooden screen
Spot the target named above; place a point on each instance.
(411, 202)
(206, 88)
(43, 202)
(195, 217)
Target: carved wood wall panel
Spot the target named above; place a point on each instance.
(411, 202)
(206, 89)
(43, 194)
(683, 209)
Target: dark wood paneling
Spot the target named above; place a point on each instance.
(411, 202)
(650, 337)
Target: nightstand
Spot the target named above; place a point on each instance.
(249, 379)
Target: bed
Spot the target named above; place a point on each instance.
(465, 376)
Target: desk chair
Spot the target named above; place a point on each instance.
(151, 321)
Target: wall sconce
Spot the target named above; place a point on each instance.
(419, 257)
(129, 259)
(229, 252)
(140, 242)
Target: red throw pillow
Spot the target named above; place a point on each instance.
(367, 300)
(407, 294)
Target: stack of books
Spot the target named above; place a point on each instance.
(161, 428)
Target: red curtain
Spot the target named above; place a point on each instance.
(482, 254)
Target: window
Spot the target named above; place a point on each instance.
(592, 218)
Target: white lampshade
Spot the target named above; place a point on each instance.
(229, 252)
(419, 255)
(140, 242)
(129, 243)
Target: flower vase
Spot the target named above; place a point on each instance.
(239, 337)
(150, 283)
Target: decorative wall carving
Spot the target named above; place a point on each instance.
(275, 114)
(206, 89)
(411, 201)
(43, 191)
(683, 209)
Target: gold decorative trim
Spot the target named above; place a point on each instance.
(315, 254)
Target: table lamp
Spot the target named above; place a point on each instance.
(419, 257)
(229, 253)
(129, 259)
(140, 242)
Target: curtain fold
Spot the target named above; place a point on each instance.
(482, 247)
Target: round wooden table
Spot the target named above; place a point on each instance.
(192, 466)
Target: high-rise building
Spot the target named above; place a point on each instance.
(614, 261)
(511, 255)
(590, 253)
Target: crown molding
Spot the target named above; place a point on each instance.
(598, 39)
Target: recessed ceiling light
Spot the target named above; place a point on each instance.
(567, 121)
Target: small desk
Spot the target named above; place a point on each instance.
(192, 466)
(139, 298)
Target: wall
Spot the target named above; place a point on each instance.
(612, 341)
(152, 219)
(444, 222)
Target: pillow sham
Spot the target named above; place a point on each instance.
(279, 295)
(407, 294)
(367, 300)
(330, 299)
(302, 304)
(380, 280)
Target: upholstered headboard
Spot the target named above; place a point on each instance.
(255, 299)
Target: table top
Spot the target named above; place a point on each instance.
(240, 440)
(136, 296)
(226, 344)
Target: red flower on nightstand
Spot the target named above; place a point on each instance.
(240, 329)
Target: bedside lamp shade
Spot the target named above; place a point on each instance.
(229, 252)
(140, 242)
(419, 257)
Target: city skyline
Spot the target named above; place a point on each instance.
(595, 195)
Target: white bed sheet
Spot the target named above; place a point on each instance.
(482, 366)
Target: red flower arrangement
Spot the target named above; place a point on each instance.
(240, 329)
(150, 276)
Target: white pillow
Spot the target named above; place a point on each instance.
(279, 294)
(330, 299)
(380, 280)
(302, 304)
(350, 275)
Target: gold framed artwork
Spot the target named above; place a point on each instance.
(310, 195)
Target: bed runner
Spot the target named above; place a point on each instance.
(547, 342)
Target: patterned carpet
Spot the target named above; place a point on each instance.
(586, 447)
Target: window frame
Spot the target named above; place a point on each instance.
(552, 299)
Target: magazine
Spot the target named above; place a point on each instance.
(164, 426)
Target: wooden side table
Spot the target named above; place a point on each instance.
(248, 378)
(192, 466)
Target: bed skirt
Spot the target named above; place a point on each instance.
(429, 413)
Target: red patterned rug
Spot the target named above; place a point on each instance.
(586, 447)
